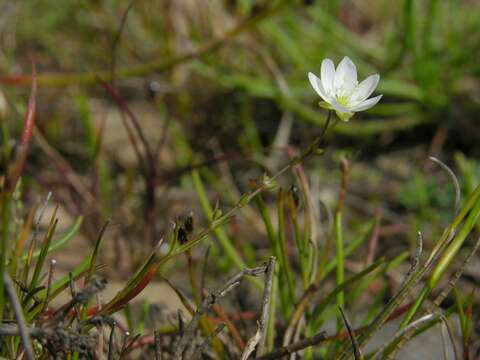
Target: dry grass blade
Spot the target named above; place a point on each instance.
(251, 344)
(267, 295)
(260, 336)
(447, 328)
(456, 184)
(356, 349)
(383, 351)
(184, 300)
(137, 283)
(93, 258)
(208, 339)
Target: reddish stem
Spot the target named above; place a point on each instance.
(26, 133)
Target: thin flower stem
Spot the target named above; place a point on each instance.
(246, 198)
(339, 252)
(340, 268)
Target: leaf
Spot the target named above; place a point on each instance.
(63, 240)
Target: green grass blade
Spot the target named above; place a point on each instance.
(62, 241)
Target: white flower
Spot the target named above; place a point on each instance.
(340, 89)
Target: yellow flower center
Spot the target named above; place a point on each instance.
(342, 100)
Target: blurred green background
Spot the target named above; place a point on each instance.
(150, 111)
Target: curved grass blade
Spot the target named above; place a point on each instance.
(63, 240)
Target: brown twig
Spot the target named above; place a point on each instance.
(203, 274)
(158, 345)
(230, 326)
(208, 339)
(292, 348)
(251, 344)
(208, 302)
(59, 340)
(267, 295)
(128, 127)
(66, 170)
(110, 341)
(149, 165)
(116, 41)
(260, 335)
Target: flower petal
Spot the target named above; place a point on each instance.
(327, 74)
(339, 107)
(318, 87)
(345, 77)
(342, 112)
(365, 88)
(367, 104)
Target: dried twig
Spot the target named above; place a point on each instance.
(446, 331)
(356, 349)
(116, 40)
(251, 344)
(260, 335)
(208, 302)
(17, 310)
(237, 338)
(300, 345)
(267, 294)
(208, 339)
(59, 340)
(158, 345)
